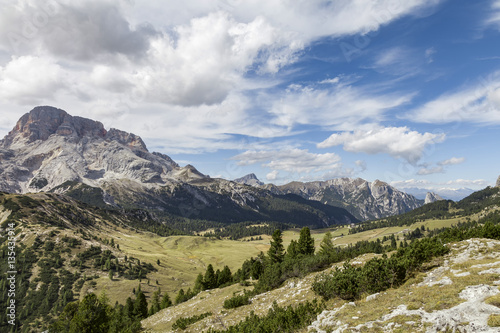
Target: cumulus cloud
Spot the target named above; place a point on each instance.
(31, 80)
(273, 175)
(478, 103)
(398, 142)
(185, 72)
(290, 160)
(75, 30)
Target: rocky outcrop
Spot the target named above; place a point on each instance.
(498, 182)
(365, 200)
(432, 197)
(422, 307)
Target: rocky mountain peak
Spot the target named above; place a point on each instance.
(128, 139)
(250, 179)
(498, 182)
(44, 121)
(432, 197)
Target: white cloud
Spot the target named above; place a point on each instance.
(179, 72)
(341, 106)
(479, 103)
(273, 175)
(361, 165)
(31, 80)
(430, 171)
(398, 142)
(451, 184)
(290, 160)
(452, 161)
(429, 53)
(494, 18)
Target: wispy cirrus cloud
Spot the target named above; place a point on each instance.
(476, 103)
(290, 160)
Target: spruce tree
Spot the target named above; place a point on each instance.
(210, 281)
(199, 284)
(293, 249)
(276, 251)
(141, 305)
(180, 297)
(326, 247)
(155, 304)
(306, 242)
(165, 301)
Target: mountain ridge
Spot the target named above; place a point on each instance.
(48, 148)
(365, 200)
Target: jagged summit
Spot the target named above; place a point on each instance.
(250, 179)
(432, 197)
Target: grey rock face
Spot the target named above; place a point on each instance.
(48, 147)
(498, 182)
(365, 200)
(432, 197)
(250, 179)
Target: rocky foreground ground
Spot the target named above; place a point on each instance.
(456, 293)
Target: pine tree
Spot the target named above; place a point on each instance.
(306, 242)
(276, 251)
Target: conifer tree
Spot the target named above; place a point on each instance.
(326, 247)
(180, 297)
(276, 251)
(306, 242)
(155, 304)
(199, 284)
(210, 280)
(293, 249)
(141, 305)
(165, 301)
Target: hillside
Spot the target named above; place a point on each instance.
(66, 249)
(456, 292)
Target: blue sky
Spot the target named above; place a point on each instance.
(407, 92)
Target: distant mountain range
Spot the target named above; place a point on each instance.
(365, 200)
(446, 193)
